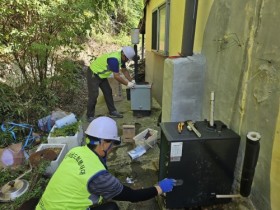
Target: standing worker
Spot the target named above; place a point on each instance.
(98, 72)
(82, 181)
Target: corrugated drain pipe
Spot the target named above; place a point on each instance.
(189, 27)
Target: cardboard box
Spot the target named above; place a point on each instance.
(128, 133)
(147, 138)
(55, 163)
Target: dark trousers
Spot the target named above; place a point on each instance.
(106, 206)
(94, 83)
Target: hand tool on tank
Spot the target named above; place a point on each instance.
(191, 126)
(180, 127)
(178, 182)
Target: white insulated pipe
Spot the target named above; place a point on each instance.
(212, 99)
(228, 196)
(254, 136)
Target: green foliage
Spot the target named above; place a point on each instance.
(37, 183)
(9, 174)
(128, 15)
(6, 139)
(33, 31)
(68, 130)
(12, 134)
(29, 102)
(67, 77)
(8, 107)
(25, 102)
(120, 39)
(35, 38)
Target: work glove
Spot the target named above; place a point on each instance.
(130, 84)
(166, 185)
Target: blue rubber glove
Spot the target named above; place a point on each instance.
(166, 185)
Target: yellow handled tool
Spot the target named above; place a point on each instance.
(180, 127)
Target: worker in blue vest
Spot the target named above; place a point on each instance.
(82, 180)
(99, 70)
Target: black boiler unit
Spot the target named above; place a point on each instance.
(206, 164)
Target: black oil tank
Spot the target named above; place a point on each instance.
(206, 164)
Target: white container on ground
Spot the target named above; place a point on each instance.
(71, 141)
(145, 139)
(67, 120)
(55, 163)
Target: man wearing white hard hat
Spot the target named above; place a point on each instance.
(99, 70)
(82, 180)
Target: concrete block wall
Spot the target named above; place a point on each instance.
(183, 85)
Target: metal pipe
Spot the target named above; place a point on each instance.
(136, 64)
(142, 50)
(212, 99)
(189, 27)
(228, 196)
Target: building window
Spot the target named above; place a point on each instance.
(160, 26)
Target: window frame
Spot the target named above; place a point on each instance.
(156, 29)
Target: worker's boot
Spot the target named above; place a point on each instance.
(115, 114)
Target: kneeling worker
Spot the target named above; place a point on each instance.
(82, 180)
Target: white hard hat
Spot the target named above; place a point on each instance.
(103, 128)
(128, 52)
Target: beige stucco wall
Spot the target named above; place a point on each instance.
(176, 24)
(241, 45)
(154, 73)
(275, 168)
(150, 8)
(177, 12)
(203, 10)
(154, 61)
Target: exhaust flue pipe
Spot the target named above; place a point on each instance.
(189, 27)
(250, 162)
